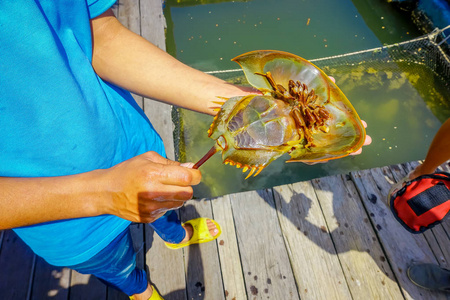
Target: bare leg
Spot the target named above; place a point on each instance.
(438, 153)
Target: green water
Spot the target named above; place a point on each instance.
(403, 103)
(207, 36)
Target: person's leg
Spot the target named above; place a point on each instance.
(116, 266)
(438, 152)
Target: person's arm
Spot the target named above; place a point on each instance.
(131, 62)
(140, 189)
(438, 153)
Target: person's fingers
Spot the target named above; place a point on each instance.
(167, 194)
(357, 152)
(153, 205)
(171, 172)
(187, 165)
(368, 140)
(146, 186)
(156, 158)
(149, 206)
(178, 176)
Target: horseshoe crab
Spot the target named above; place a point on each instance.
(300, 112)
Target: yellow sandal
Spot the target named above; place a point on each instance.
(200, 233)
(155, 295)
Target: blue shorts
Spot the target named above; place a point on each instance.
(115, 265)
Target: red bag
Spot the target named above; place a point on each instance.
(423, 202)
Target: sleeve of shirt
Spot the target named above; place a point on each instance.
(97, 7)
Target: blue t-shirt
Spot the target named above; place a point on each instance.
(57, 117)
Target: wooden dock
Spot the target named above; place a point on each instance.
(327, 238)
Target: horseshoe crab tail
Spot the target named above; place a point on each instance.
(207, 156)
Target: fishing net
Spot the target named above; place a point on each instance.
(431, 50)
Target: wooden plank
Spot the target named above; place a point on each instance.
(128, 13)
(16, 267)
(230, 263)
(265, 262)
(86, 287)
(153, 26)
(50, 281)
(153, 23)
(114, 294)
(401, 248)
(309, 244)
(446, 224)
(440, 245)
(160, 114)
(165, 266)
(365, 266)
(203, 274)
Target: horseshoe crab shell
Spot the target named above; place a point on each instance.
(302, 112)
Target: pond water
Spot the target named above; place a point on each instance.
(403, 101)
(206, 34)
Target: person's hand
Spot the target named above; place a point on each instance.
(367, 141)
(227, 91)
(143, 188)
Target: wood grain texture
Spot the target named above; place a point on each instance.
(153, 26)
(203, 272)
(402, 249)
(16, 267)
(309, 243)
(437, 236)
(165, 266)
(86, 287)
(230, 263)
(363, 261)
(264, 258)
(50, 282)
